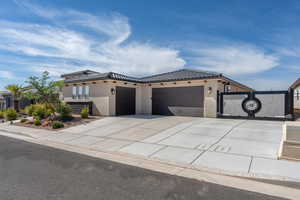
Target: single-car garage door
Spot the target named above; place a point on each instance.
(182, 101)
(125, 101)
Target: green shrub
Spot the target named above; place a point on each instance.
(41, 111)
(22, 111)
(37, 122)
(85, 113)
(64, 111)
(24, 120)
(29, 109)
(57, 124)
(10, 114)
(1, 114)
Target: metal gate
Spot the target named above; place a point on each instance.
(256, 105)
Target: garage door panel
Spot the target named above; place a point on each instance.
(184, 101)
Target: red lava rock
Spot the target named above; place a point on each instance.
(46, 123)
(29, 122)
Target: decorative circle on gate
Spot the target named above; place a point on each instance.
(252, 105)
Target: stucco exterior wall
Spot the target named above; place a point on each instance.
(104, 102)
(297, 97)
(210, 98)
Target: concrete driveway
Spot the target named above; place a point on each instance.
(238, 146)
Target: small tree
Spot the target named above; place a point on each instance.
(17, 92)
(42, 89)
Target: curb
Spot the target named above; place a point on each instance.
(201, 174)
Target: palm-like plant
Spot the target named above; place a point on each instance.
(16, 91)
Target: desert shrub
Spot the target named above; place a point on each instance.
(22, 111)
(24, 120)
(84, 113)
(57, 124)
(10, 114)
(37, 122)
(1, 114)
(41, 111)
(50, 108)
(64, 111)
(29, 109)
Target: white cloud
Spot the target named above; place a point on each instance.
(264, 84)
(98, 42)
(43, 12)
(233, 59)
(294, 67)
(6, 75)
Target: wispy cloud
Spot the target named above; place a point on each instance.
(236, 59)
(69, 40)
(100, 42)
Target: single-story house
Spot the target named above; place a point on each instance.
(184, 92)
(296, 87)
(5, 100)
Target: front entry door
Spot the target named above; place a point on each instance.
(125, 101)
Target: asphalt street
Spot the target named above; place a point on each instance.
(34, 172)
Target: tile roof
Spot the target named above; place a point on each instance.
(183, 74)
(179, 75)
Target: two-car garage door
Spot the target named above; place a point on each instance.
(182, 101)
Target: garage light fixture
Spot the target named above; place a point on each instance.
(112, 91)
(209, 90)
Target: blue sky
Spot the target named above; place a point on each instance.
(254, 42)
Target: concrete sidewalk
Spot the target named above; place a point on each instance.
(235, 147)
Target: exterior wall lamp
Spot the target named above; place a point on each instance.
(209, 90)
(113, 91)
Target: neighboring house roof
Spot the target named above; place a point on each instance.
(5, 93)
(179, 75)
(295, 84)
(84, 72)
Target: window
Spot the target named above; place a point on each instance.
(74, 92)
(87, 91)
(79, 92)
